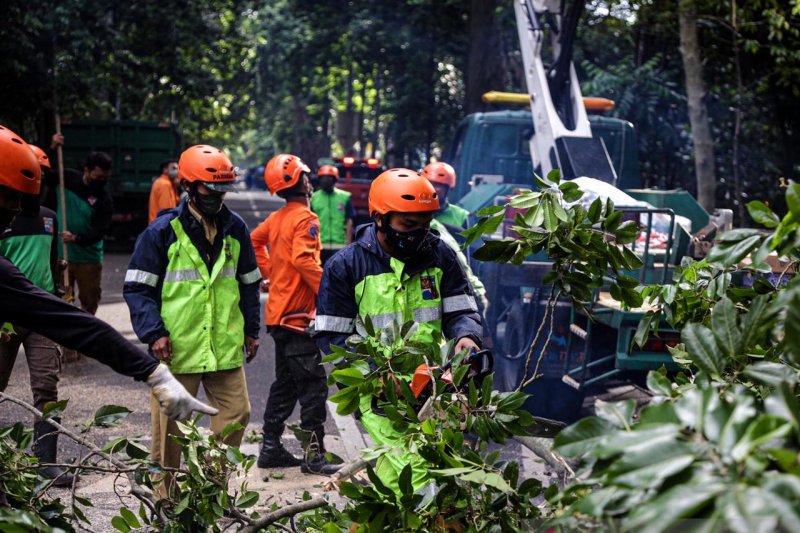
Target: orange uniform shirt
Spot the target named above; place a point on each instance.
(162, 196)
(287, 251)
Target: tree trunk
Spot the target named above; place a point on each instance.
(698, 113)
(483, 61)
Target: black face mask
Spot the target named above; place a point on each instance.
(30, 204)
(407, 244)
(7, 217)
(96, 186)
(209, 204)
(326, 183)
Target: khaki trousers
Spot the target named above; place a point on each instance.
(226, 390)
(44, 364)
(88, 277)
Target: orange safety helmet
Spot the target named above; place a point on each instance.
(41, 156)
(207, 165)
(403, 191)
(283, 172)
(440, 172)
(19, 169)
(328, 170)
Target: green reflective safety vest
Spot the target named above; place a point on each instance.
(31, 255)
(449, 240)
(397, 297)
(201, 310)
(330, 208)
(79, 218)
(453, 215)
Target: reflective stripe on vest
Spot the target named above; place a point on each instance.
(201, 309)
(251, 277)
(396, 297)
(141, 276)
(330, 208)
(337, 324)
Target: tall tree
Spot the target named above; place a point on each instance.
(698, 112)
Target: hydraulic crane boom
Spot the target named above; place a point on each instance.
(562, 136)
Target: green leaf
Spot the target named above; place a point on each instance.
(136, 450)
(109, 415)
(792, 327)
(665, 512)
(120, 524)
(793, 199)
(648, 468)
(623, 441)
(762, 214)
(771, 374)
(643, 329)
(702, 348)
(626, 232)
(248, 499)
(753, 322)
(618, 413)
(54, 409)
(763, 430)
(659, 383)
(490, 210)
(230, 428)
(129, 517)
(583, 436)
(724, 325)
(554, 176)
(729, 255)
(348, 376)
(612, 221)
(595, 209)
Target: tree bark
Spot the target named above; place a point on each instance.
(483, 59)
(698, 112)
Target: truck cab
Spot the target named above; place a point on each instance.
(494, 148)
(355, 177)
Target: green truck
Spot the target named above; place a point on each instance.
(137, 149)
(497, 153)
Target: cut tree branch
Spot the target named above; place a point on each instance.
(284, 512)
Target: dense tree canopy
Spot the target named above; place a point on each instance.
(261, 76)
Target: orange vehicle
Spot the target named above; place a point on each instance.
(355, 177)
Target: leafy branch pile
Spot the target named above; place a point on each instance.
(720, 442)
(201, 498)
(472, 487)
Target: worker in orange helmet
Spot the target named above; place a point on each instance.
(443, 178)
(335, 211)
(34, 309)
(192, 290)
(397, 271)
(288, 248)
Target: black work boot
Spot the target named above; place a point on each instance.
(45, 447)
(314, 461)
(273, 454)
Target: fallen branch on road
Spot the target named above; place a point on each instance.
(284, 512)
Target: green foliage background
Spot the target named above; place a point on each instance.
(261, 76)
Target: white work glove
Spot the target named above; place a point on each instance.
(174, 399)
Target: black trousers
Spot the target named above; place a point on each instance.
(299, 377)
